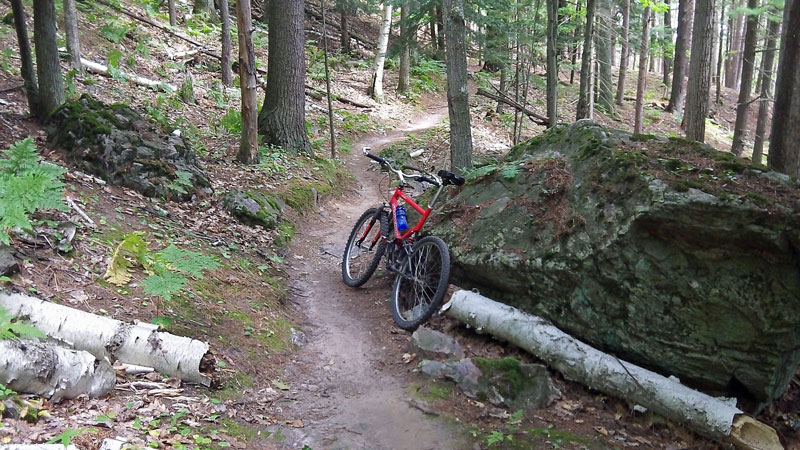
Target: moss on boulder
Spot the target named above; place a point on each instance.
(254, 208)
(666, 252)
(117, 144)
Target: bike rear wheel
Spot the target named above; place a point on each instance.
(421, 283)
(365, 247)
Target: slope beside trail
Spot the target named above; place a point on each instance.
(348, 383)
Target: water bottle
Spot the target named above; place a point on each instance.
(400, 212)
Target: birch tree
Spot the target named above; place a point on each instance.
(376, 90)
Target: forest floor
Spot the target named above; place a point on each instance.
(354, 384)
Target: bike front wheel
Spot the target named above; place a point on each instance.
(421, 283)
(365, 247)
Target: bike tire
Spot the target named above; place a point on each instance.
(420, 286)
(356, 276)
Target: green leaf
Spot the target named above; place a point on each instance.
(113, 58)
(164, 285)
(510, 172)
(186, 261)
(11, 328)
(134, 246)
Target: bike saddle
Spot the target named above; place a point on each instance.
(450, 178)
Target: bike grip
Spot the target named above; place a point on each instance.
(426, 179)
(376, 158)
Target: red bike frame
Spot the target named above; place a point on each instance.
(399, 194)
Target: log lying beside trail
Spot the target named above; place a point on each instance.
(536, 118)
(319, 95)
(53, 372)
(706, 415)
(106, 338)
(98, 68)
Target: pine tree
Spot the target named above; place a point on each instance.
(784, 153)
(697, 94)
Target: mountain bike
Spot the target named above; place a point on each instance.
(422, 265)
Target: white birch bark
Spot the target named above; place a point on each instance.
(94, 67)
(111, 339)
(712, 417)
(380, 55)
(54, 372)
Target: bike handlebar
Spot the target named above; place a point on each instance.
(427, 178)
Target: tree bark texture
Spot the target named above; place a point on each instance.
(767, 66)
(282, 120)
(206, 8)
(720, 53)
(328, 79)
(26, 58)
(668, 36)
(784, 152)
(248, 146)
(683, 43)
(48, 69)
(746, 86)
(440, 28)
(405, 56)
(641, 83)
(106, 338)
(605, 86)
(552, 62)
(457, 95)
(73, 38)
(173, 13)
(344, 29)
(376, 90)
(582, 110)
(53, 372)
(667, 397)
(225, 61)
(625, 51)
(697, 93)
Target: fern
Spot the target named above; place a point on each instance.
(132, 246)
(164, 285)
(186, 261)
(10, 328)
(26, 184)
(510, 172)
(480, 172)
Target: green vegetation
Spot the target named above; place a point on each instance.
(11, 328)
(26, 185)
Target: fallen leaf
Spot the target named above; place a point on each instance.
(280, 385)
(297, 423)
(601, 430)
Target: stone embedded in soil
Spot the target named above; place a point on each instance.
(254, 208)
(503, 382)
(120, 146)
(666, 252)
(8, 263)
(432, 344)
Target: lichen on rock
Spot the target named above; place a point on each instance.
(117, 144)
(666, 252)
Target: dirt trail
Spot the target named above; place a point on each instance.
(347, 384)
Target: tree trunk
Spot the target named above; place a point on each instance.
(738, 44)
(405, 55)
(503, 82)
(227, 77)
(432, 32)
(605, 88)
(26, 59)
(784, 153)
(440, 35)
(248, 146)
(48, 69)
(668, 37)
(457, 95)
(73, 38)
(706, 415)
(642, 81)
(694, 119)
(748, 62)
(206, 9)
(683, 43)
(574, 56)
(141, 344)
(282, 120)
(653, 25)
(623, 57)
(344, 29)
(53, 372)
(582, 110)
(376, 90)
(552, 62)
(328, 79)
(173, 14)
(767, 63)
(720, 55)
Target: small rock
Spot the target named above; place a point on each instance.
(433, 344)
(254, 208)
(432, 369)
(8, 264)
(298, 338)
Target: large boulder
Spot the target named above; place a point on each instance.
(117, 144)
(666, 252)
(254, 208)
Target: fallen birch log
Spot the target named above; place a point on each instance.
(106, 338)
(53, 372)
(98, 68)
(706, 415)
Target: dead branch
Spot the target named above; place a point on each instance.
(535, 118)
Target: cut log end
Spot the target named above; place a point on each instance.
(750, 434)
